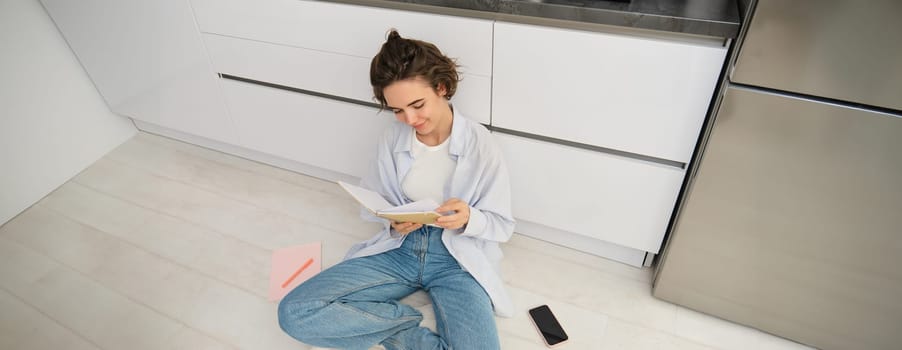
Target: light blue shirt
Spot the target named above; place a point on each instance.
(480, 179)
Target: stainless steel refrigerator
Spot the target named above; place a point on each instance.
(791, 221)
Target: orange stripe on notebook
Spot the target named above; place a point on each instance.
(298, 272)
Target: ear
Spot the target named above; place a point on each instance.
(441, 90)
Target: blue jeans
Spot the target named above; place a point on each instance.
(354, 304)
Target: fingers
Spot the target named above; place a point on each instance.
(404, 228)
(444, 219)
(458, 217)
(452, 204)
(450, 221)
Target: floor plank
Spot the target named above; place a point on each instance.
(24, 327)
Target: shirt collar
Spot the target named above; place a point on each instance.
(455, 146)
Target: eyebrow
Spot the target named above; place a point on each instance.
(409, 104)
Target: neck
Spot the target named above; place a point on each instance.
(441, 132)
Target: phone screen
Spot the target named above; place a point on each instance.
(548, 325)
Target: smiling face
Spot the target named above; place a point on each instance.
(417, 104)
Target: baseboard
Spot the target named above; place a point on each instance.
(629, 256)
(245, 153)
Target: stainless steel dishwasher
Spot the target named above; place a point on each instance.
(792, 219)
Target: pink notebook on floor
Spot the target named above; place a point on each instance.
(291, 266)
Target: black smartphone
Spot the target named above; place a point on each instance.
(548, 325)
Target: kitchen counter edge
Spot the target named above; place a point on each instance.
(723, 25)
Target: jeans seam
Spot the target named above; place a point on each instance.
(371, 285)
(394, 343)
(377, 317)
(440, 312)
(424, 243)
(327, 302)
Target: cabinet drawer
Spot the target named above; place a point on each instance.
(619, 200)
(324, 72)
(639, 95)
(347, 29)
(321, 132)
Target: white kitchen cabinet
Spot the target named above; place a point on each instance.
(147, 60)
(619, 200)
(314, 31)
(324, 72)
(639, 95)
(345, 29)
(314, 70)
(321, 132)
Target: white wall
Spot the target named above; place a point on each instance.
(53, 122)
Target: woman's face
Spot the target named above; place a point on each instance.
(415, 103)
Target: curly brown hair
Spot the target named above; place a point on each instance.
(402, 58)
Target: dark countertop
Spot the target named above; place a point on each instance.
(712, 18)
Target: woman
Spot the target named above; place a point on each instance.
(433, 153)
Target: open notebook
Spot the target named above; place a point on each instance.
(422, 212)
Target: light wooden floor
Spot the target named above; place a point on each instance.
(165, 245)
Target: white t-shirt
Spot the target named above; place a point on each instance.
(430, 172)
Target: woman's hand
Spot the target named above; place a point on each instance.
(459, 218)
(404, 228)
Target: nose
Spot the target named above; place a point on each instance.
(410, 118)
